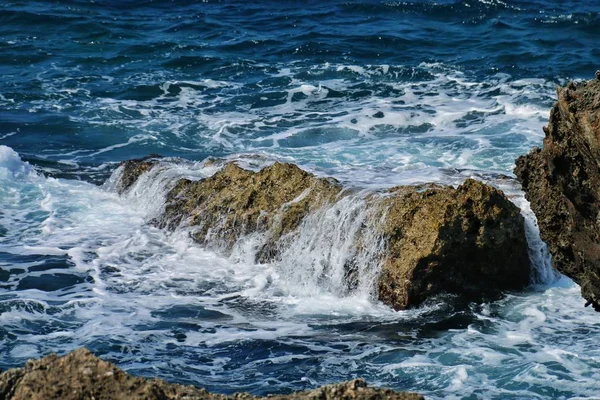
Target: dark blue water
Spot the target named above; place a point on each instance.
(373, 93)
(80, 78)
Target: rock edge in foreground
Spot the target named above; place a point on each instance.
(81, 375)
(562, 183)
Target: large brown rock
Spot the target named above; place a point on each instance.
(82, 376)
(562, 183)
(468, 240)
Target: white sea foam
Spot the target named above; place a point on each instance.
(353, 122)
(316, 260)
(11, 166)
(144, 292)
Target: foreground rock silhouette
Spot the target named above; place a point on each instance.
(468, 241)
(82, 376)
(562, 183)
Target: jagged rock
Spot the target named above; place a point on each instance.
(81, 375)
(356, 389)
(562, 183)
(236, 202)
(468, 241)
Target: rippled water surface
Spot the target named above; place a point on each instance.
(372, 93)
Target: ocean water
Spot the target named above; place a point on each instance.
(374, 93)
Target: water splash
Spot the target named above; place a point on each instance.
(336, 250)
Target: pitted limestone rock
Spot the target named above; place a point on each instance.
(562, 183)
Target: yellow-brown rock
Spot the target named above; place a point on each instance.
(468, 241)
(236, 202)
(81, 376)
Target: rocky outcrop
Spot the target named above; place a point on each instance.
(468, 240)
(81, 375)
(562, 183)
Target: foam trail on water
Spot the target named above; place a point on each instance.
(358, 122)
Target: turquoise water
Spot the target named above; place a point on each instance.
(372, 93)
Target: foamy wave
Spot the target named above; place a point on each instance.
(340, 119)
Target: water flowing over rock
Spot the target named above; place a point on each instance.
(562, 182)
(423, 240)
(81, 375)
(236, 202)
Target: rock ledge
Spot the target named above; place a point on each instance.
(562, 183)
(81, 375)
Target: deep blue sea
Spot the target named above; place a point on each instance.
(374, 93)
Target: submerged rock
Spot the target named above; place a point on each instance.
(133, 169)
(468, 241)
(81, 375)
(562, 183)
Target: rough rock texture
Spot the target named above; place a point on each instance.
(356, 389)
(236, 202)
(562, 182)
(82, 376)
(468, 241)
(132, 169)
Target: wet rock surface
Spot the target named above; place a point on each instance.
(562, 183)
(133, 169)
(468, 241)
(81, 375)
(236, 202)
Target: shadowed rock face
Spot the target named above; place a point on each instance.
(468, 240)
(81, 375)
(562, 182)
